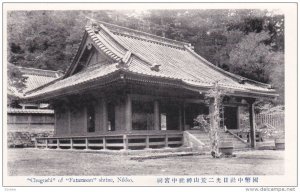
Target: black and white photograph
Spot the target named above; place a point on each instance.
(186, 96)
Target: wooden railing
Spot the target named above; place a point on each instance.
(237, 137)
(117, 142)
(275, 120)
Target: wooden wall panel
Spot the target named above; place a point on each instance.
(62, 122)
(120, 116)
(98, 117)
(78, 121)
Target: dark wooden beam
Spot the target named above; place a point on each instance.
(252, 121)
(128, 113)
(184, 115)
(238, 118)
(69, 121)
(156, 116)
(180, 117)
(104, 116)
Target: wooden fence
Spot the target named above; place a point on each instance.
(276, 120)
(30, 119)
(117, 142)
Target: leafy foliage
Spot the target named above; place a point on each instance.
(246, 42)
(16, 83)
(202, 122)
(251, 56)
(16, 79)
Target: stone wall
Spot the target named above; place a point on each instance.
(20, 135)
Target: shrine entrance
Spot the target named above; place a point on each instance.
(231, 117)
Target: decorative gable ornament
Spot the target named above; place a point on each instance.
(155, 67)
(124, 62)
(89, 46)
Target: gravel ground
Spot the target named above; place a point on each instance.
(40, 162)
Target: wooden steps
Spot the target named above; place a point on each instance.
(203, 137)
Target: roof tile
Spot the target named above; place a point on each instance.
(30, 111)
(176, 62)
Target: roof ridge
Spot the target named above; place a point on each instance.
(40, 72)
(133, 33)
(128, 52)
(107, 31)
(36, 69)
(71, 66)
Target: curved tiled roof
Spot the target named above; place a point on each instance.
(30, 111)
(149, 55)
(35, 78)
(74, 80)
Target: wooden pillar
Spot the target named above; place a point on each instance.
(183, 110)
(147, 142)
(57, 143)
(128, 113)
(71, 143)
(85, 119)
(104, 143)
(238, 117)
(125, 142)
(180, 117)
(69, 121)
(252, 122)
(29, 120)
(46, 143)
(86, 143)
(104, 116)
(156, 116)
(55, 121)
(166, 141)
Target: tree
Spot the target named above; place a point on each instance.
(276, 74)
(15, 83)
(250, 57)
(50, 39)
(15, 78)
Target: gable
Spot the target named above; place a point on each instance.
(97, 58)
(90, 56)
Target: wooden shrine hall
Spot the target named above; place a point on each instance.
(127, 89)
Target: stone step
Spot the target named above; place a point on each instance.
(240, 146)
(224, 137)
(207, 136)
(235, 149)
(203, 135)
(221, 139)
(227, 137)
(242, 149)
(231, 137)
(234, 143)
